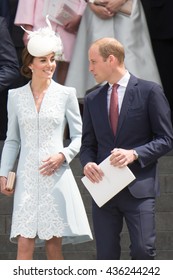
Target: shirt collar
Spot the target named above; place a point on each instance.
(124, 80)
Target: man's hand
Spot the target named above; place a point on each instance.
(121, 157)
(93, 172)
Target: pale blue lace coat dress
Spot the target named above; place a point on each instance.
(44, 206)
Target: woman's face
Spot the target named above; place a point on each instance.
(43, 67)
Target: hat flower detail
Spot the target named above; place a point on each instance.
(43, 41)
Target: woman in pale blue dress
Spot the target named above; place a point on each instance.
(48, 208)
(131, 31)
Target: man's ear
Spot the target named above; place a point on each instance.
(113, 59)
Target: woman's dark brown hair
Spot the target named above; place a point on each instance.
(27, 59)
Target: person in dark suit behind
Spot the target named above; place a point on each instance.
(160, 24)
(9, 72)
(144, 133)
(5, 10)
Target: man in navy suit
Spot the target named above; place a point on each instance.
(160, 23)
(5, 10)
(144, 133)
(9, 72)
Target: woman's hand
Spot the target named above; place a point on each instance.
(114, 5)
(101, 11)
(3, 184)
(73, 25)
(51, 164)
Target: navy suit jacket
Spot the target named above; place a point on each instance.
(144, 125)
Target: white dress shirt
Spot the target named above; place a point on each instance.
(121, 90)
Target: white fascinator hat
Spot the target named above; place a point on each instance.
(44, 41)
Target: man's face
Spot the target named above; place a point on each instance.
(99, 67)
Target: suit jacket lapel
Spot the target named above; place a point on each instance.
(102, 102)
(103, 109)
(127, 101)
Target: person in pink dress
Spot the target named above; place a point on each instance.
(30, 14)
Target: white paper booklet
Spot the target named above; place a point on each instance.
(115, 179)
(60, 11)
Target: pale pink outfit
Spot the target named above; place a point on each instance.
(31, 12)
